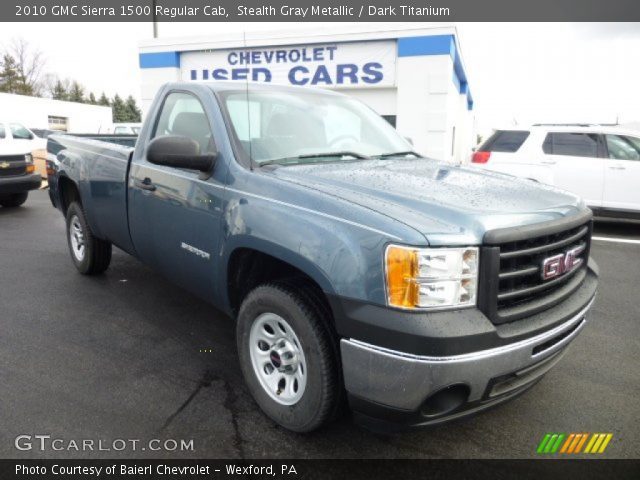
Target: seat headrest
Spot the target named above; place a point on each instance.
(193, 125)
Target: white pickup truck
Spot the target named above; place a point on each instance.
(600, 164)
(17, 171)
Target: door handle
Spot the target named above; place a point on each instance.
(548, 162)
(617, 167)
(145, 184)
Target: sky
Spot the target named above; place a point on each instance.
(519, 73)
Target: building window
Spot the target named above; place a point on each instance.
(60, 124)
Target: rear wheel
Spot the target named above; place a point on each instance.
(90, 255)
(14, 200)
(288, 358)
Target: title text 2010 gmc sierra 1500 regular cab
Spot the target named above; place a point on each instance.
(424, 291)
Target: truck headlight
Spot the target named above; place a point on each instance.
(431, 278)
(28, 158)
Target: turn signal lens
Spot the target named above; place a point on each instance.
(31, 168)
(402, 269)
(431, 277)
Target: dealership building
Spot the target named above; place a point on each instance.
(45, 113)
(413, 76)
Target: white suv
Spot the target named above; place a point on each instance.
(600, 164)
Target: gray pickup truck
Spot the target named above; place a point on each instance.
(355, 269)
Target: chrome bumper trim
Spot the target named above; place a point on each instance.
(403, 381)
(492, 351)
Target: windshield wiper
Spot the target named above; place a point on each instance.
(356, 155)
(398, 154)
(345, 153)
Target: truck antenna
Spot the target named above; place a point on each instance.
(246, 83)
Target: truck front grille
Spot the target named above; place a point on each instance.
(12, 165)
(511, 272)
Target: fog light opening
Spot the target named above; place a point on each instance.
(446, 400)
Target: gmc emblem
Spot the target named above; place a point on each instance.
(562, 263)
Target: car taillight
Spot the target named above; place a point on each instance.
(480, 157)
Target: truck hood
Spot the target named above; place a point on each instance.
(9, 147)
(447, 204)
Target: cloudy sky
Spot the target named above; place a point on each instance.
(518, 72)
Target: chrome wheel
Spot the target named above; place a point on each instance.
(76, 235)
(278, 359)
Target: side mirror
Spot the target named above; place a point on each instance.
(180, 152)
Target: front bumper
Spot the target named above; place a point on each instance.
(389, 386)
(19, 184)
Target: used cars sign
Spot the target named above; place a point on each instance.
(346, 64)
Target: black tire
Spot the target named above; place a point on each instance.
(321, 397)
(14, 200)
(96, 255)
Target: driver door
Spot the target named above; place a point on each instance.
(174, 215)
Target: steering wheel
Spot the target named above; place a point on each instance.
(342, 138)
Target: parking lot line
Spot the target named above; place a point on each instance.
(616, 240)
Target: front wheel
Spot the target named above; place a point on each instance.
(288, 357)
(14, 200)
(90, 255)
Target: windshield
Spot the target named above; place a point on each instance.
(301, 127)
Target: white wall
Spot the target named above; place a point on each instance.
(152, 80)
(383, 100)
(34, 112)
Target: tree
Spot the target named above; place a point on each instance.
(119, 109)
(11, 80)
(133, 112)
(8, 74)
(92, 99)
(28, 64)
(59, 91)
(76, 92)
(104, 101)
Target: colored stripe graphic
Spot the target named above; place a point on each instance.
(572, 443)
(543, 443)
(583, 439)
(605, 443)
(556, 445)
(567, 442)
(598, 443)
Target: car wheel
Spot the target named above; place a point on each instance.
(288, 357)
(14, 200)
(90, 255)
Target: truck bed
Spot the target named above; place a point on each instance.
(101, 164)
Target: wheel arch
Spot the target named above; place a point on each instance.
(251, 264)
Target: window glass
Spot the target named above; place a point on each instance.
(304, 126)
(121, 130)
(572, 144)
(183, 114)
(19, 132)
(247, 125)
(391, 119)
(508, 141)
(623, 148)
(2, 132)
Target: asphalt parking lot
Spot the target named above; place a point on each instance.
(129, 356)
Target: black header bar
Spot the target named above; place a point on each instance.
(318, 10)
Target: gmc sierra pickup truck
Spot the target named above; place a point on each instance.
(355, 269)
